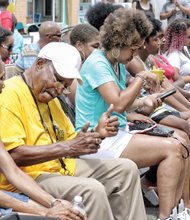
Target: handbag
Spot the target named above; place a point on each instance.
(139, 127)
(161, 131)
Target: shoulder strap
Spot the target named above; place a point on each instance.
(67, 109)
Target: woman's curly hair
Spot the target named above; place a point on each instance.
(123, 28)
(175, 35)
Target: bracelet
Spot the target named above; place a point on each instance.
(143, 79)
(54, 202)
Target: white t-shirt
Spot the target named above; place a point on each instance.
(178, 60)
(168, 6)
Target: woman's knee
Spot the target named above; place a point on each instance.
(185, 127)
(173, 148)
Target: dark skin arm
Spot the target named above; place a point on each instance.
(84, 143)
(133, 116)
(61, 211)
(7, 201)
(28, 186)
(168, 14)
(179, 83)
(135, 66)
(184, 9)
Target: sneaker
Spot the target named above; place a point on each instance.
(173, 216)
(181, 216)
(181, 206)
(183, 213)
(187, 213)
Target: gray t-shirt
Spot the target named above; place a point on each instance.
(168, 6)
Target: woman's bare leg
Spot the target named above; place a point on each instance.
(178, 123)
(146, 151)
(184, 139)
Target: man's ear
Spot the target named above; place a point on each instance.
(40, 63)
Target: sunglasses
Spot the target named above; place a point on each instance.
(9, 48)
(54, 35)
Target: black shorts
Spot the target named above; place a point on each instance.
(163, 115)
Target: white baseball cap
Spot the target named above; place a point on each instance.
(65, 58)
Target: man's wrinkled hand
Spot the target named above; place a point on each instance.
(64, 211)
(84, 143)
(108, 125)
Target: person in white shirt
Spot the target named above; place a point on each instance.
(175, 9)
(177, 39)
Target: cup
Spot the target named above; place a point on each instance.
(159, 72)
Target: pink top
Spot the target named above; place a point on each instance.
(165, 65)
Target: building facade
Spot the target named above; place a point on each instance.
(68, 12)
(33, 11)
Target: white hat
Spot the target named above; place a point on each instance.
(65, 58)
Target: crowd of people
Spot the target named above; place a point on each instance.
(66, 114)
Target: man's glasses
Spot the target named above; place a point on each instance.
(54, 35)
(9, 48)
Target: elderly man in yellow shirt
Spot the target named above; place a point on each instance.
(43, 204)
(42, 141)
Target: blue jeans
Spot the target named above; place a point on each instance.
(18, 196)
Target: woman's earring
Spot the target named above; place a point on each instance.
(115, 54)
(144, 47)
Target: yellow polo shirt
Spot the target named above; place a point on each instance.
(21, 125)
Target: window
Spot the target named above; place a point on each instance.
(30, 9)
(47, 8)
